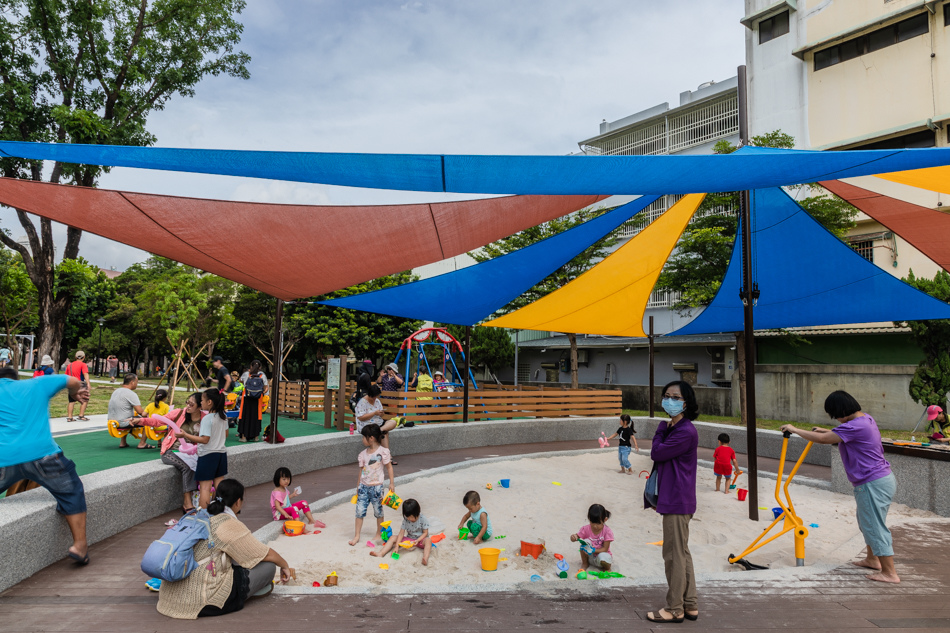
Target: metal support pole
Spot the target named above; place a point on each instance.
(652, 379)
(750, 293)
(465, 372)
(517, 335)
(275, 380)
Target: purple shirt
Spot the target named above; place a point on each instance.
(674, 455)
(861, 450)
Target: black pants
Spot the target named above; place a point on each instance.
(249, 426)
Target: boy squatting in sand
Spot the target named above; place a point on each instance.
(476, 519)
(414, 531)
(370, 484)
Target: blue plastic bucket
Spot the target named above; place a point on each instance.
(777, 512)
(505, 482)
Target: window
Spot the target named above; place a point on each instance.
(874, 41)
(773, 27)
(924, 138)
(864, 249)
(524, 372)
(946, 15)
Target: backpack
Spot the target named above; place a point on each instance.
(172, 557)
(255, 387)
(38, 373)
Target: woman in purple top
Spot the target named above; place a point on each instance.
(674, 458)
(862, 454)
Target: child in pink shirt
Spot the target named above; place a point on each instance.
(598, 537)
(280, 500)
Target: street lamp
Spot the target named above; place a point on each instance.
(99, 350)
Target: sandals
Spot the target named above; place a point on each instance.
(658, 617)
(70, 419)
(146, 447)
(691, 616)
(80, 560)
(83, 418)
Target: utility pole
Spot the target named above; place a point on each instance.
(749, 294)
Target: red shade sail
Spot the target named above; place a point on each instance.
(288, 251)
(925, 229)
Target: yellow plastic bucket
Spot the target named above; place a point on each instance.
(293, 528)
(489, 558)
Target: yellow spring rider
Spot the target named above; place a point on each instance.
(157, 433)
(791, 522)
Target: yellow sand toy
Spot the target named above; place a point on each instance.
(791, 520)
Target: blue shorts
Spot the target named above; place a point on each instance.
(873, 500)
(366, 495)
(55, 473)
(211, 466)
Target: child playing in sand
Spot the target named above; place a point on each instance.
(724, 458)
(414, 532)
(598, 537)
(370, 482)
(625, 433)
(280, 498)
(476, 519)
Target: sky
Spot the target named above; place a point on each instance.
(442, 77)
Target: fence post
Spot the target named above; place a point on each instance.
(341, 396)
(327, 405)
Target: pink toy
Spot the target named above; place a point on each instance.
(184, 445)
(603, 440)
(370, 544)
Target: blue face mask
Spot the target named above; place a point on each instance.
(673, 407)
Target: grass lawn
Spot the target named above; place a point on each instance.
(777, 424)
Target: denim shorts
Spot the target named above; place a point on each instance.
(366, 495)
(211, 466)
(55, 473)
(873, 500)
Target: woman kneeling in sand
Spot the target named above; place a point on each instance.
(859, 442)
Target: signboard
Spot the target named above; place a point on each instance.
(333, 373)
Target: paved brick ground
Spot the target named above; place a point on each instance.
(109, 595)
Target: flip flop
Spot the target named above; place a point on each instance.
(691, 616)
(80, 560)
(70, 419)
(142, 448)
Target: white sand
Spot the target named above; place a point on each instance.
(534, 507)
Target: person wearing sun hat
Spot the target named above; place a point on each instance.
(938, 423)
(46, 365)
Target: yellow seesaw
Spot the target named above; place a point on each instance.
(791, 521)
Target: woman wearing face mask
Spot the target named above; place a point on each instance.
(674, 457)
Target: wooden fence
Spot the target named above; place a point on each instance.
(492, 402)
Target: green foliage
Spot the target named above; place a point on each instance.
(697, 266)
(931, 380)
(17, 299)
(93, 295)
(491, 346)
(329, 331)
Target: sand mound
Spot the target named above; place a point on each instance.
(533, 507)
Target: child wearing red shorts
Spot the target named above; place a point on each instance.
(280, 500)
(724, 459)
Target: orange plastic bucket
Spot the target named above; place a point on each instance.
(532, 548)
(293, 528)
(489, 558)
(742, 493)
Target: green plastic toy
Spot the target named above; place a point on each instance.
(582, 575)
(498, 537)
(395, 556)
(463, 534)
(605, 574)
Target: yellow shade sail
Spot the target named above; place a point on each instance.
(611, 297)
(931, 178)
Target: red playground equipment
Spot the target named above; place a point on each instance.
(436, 341)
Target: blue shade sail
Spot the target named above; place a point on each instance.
(467, 296)
(807, 277)
(749, 168)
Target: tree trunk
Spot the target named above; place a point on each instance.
(573, 339)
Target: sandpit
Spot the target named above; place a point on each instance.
(534, 507)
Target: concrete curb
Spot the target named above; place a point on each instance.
(34, 536)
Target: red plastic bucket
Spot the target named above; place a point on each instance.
(742, 493)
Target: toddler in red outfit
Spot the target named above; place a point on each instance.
(724, 460)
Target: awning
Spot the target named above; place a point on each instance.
(466, 296)
(932, 178)
(288, 251)
(808, 277)
(748, 168)
(925, 229)
(611, 297)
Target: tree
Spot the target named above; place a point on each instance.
(17, 301)
(94, 296)
(91, 71)
(491, 346)
(563, 275)
(931, 380)
(697, 266)
(334, 331)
